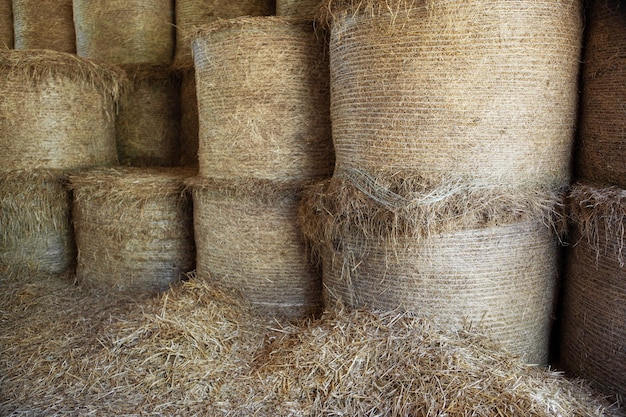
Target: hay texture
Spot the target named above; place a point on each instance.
(193, 13)
(262, 87)
(125, 31)
(302, 8)
(188, 119)
(147, 123)
(247, 237)
(493, 264)
(35, 227)
(44, 24)
(6, 24)
(486, 88)
(594, 314)
(57, 111)
(603, 126)
(133, 228)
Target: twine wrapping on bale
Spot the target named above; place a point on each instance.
(57, 111)
(6, 24)
(593, 343)
(125, 31)
(603, 125)
(455, 253)
(302, 8)
(147, 123)
(44, 24)
(247, 237)
(262, 87)
(486, 87)
(35, 227)
(133, 228)
(193, 13)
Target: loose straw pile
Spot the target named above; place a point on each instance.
(44, 24)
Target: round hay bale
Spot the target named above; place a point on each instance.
(486, 88)
(302, 8)
(593, 343)
(6, 24)
(125, 31)
(44, 24)
(247, 237)
(57, 111)
(35, 226)
(188, 119)
(492, 262)
(147, 123)
(262, 88)
(603, 125)
(193, 13)
(133, 228)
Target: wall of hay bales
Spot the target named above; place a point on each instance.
(304, 207)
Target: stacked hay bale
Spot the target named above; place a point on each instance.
(6, 24)
(189, 15)
(46, 24)
(139, 37)
(449, 169)
(593, 343)
(303, 8)
(56, 115)
(262, 87)
(133, 228)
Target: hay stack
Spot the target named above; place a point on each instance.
(594, 314)
(125, 31)
(486, 88)
(35, 227)
(147, 122)
(603, 126)
(57, 111)
(302, 8)
(133, 228)
(247, 237)
(6, 24)
(44, 24)
(193, 13)
(262, 87)
(483, 257)
(188, 119)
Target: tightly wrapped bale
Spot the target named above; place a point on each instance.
(303, 8)
(57, 112)
(133, 228)
(147, 123)
(125, 31)
(44, 24)
(603, 126)
(247, 237)
(456, 254)
(593, 340)
(35, 226)
(192, 13)
(489, 88)
(188, 119)
(6, 24)
(262, 88)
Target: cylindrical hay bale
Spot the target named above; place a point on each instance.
(247, 237)
(147, 122)
(57, 111)
(493, 265)
(133, 228)
(44, 24)
(603, 125)
(188, 119)
(489, 88)
(125, 31)
(6, 24)
(302, 8)
(193, 13)
(262, 87)
(35, 226)
(593, 343)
